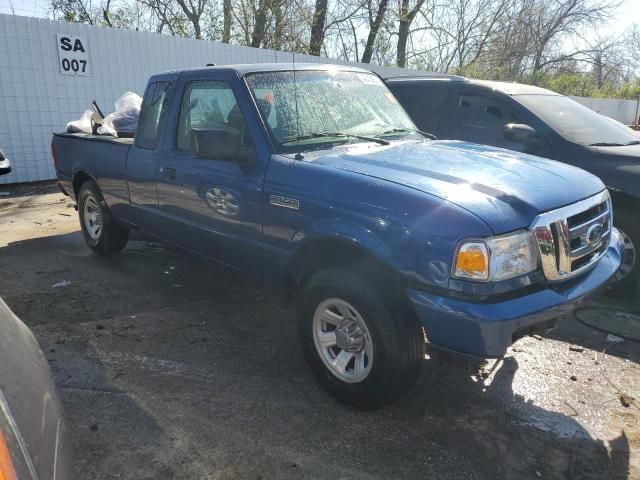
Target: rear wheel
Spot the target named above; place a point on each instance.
(101, 233)
(360, 350)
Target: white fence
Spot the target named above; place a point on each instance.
(625, 111)
(37, 96)
(40, 93)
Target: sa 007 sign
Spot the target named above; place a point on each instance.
(73, 55)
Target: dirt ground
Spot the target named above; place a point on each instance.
(171, 367)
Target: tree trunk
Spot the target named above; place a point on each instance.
(317, 27)
(406, 19)
(403, 34)
(373, 32)
(278, 29)
(193, 15)
(226, 27)
(260, 24)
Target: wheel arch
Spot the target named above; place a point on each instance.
(79, 177)
(333, 251)
(623, 201)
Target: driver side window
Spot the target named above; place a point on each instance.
(482, 120)
(211, 124)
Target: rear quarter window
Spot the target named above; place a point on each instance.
(153, 106)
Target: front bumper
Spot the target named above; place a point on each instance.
(486, 329)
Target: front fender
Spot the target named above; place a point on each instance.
(349, 233)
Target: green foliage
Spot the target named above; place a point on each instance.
(574, 84)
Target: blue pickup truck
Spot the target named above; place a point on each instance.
(314, 177)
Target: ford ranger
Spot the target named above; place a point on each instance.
(314, 177)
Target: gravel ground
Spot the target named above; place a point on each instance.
(173, 367)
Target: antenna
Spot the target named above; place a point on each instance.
(299, 155)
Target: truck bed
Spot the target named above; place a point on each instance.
(101, 157)
(96, 138)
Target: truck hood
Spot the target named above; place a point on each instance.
(505, 189)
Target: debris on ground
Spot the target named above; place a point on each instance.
(573, 378)
(614, 338)
(62, 284)
(575, 348)
(625, 400)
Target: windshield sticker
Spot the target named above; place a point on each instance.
(391, 98)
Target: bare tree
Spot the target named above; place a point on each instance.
(406, 16)
(318, 27)
(227, 20)
(194, 10)
(375, 22)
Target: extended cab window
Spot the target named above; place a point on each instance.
(211, 124)
(153, 104)
(482, 120)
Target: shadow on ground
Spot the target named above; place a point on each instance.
(173, 367)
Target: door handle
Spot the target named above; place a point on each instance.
(168, 172)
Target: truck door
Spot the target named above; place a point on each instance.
(209, 181)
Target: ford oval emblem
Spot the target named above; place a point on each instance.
(594, 234)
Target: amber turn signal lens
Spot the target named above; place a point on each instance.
(7, 472)
(472, 261)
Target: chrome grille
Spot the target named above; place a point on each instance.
(573, 238)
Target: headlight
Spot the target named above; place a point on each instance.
(496, 258)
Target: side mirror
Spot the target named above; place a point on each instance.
(215, 144)
(520, 133)
(223, 144)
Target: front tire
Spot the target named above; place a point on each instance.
(101, 233)
(360, 350)
(625, 281)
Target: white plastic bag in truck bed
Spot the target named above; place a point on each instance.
(82, 125)
(123, 122)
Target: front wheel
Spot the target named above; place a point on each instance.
(360, 350)
(101, 233)
(625, 281)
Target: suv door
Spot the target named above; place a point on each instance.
(209, 182)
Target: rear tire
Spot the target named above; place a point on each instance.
(625, 282)
(101, 232)
(361, 351)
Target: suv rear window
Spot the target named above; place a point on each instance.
(424, 101)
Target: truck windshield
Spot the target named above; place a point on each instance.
(327, 106)
(577, 123)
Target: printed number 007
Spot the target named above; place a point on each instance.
(74, 65)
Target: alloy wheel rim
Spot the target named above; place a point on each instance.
(222, 202)
(343, 341)
(92, 217)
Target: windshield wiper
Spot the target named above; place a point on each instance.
(381, 141)
(398, 130)
(613, 144)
